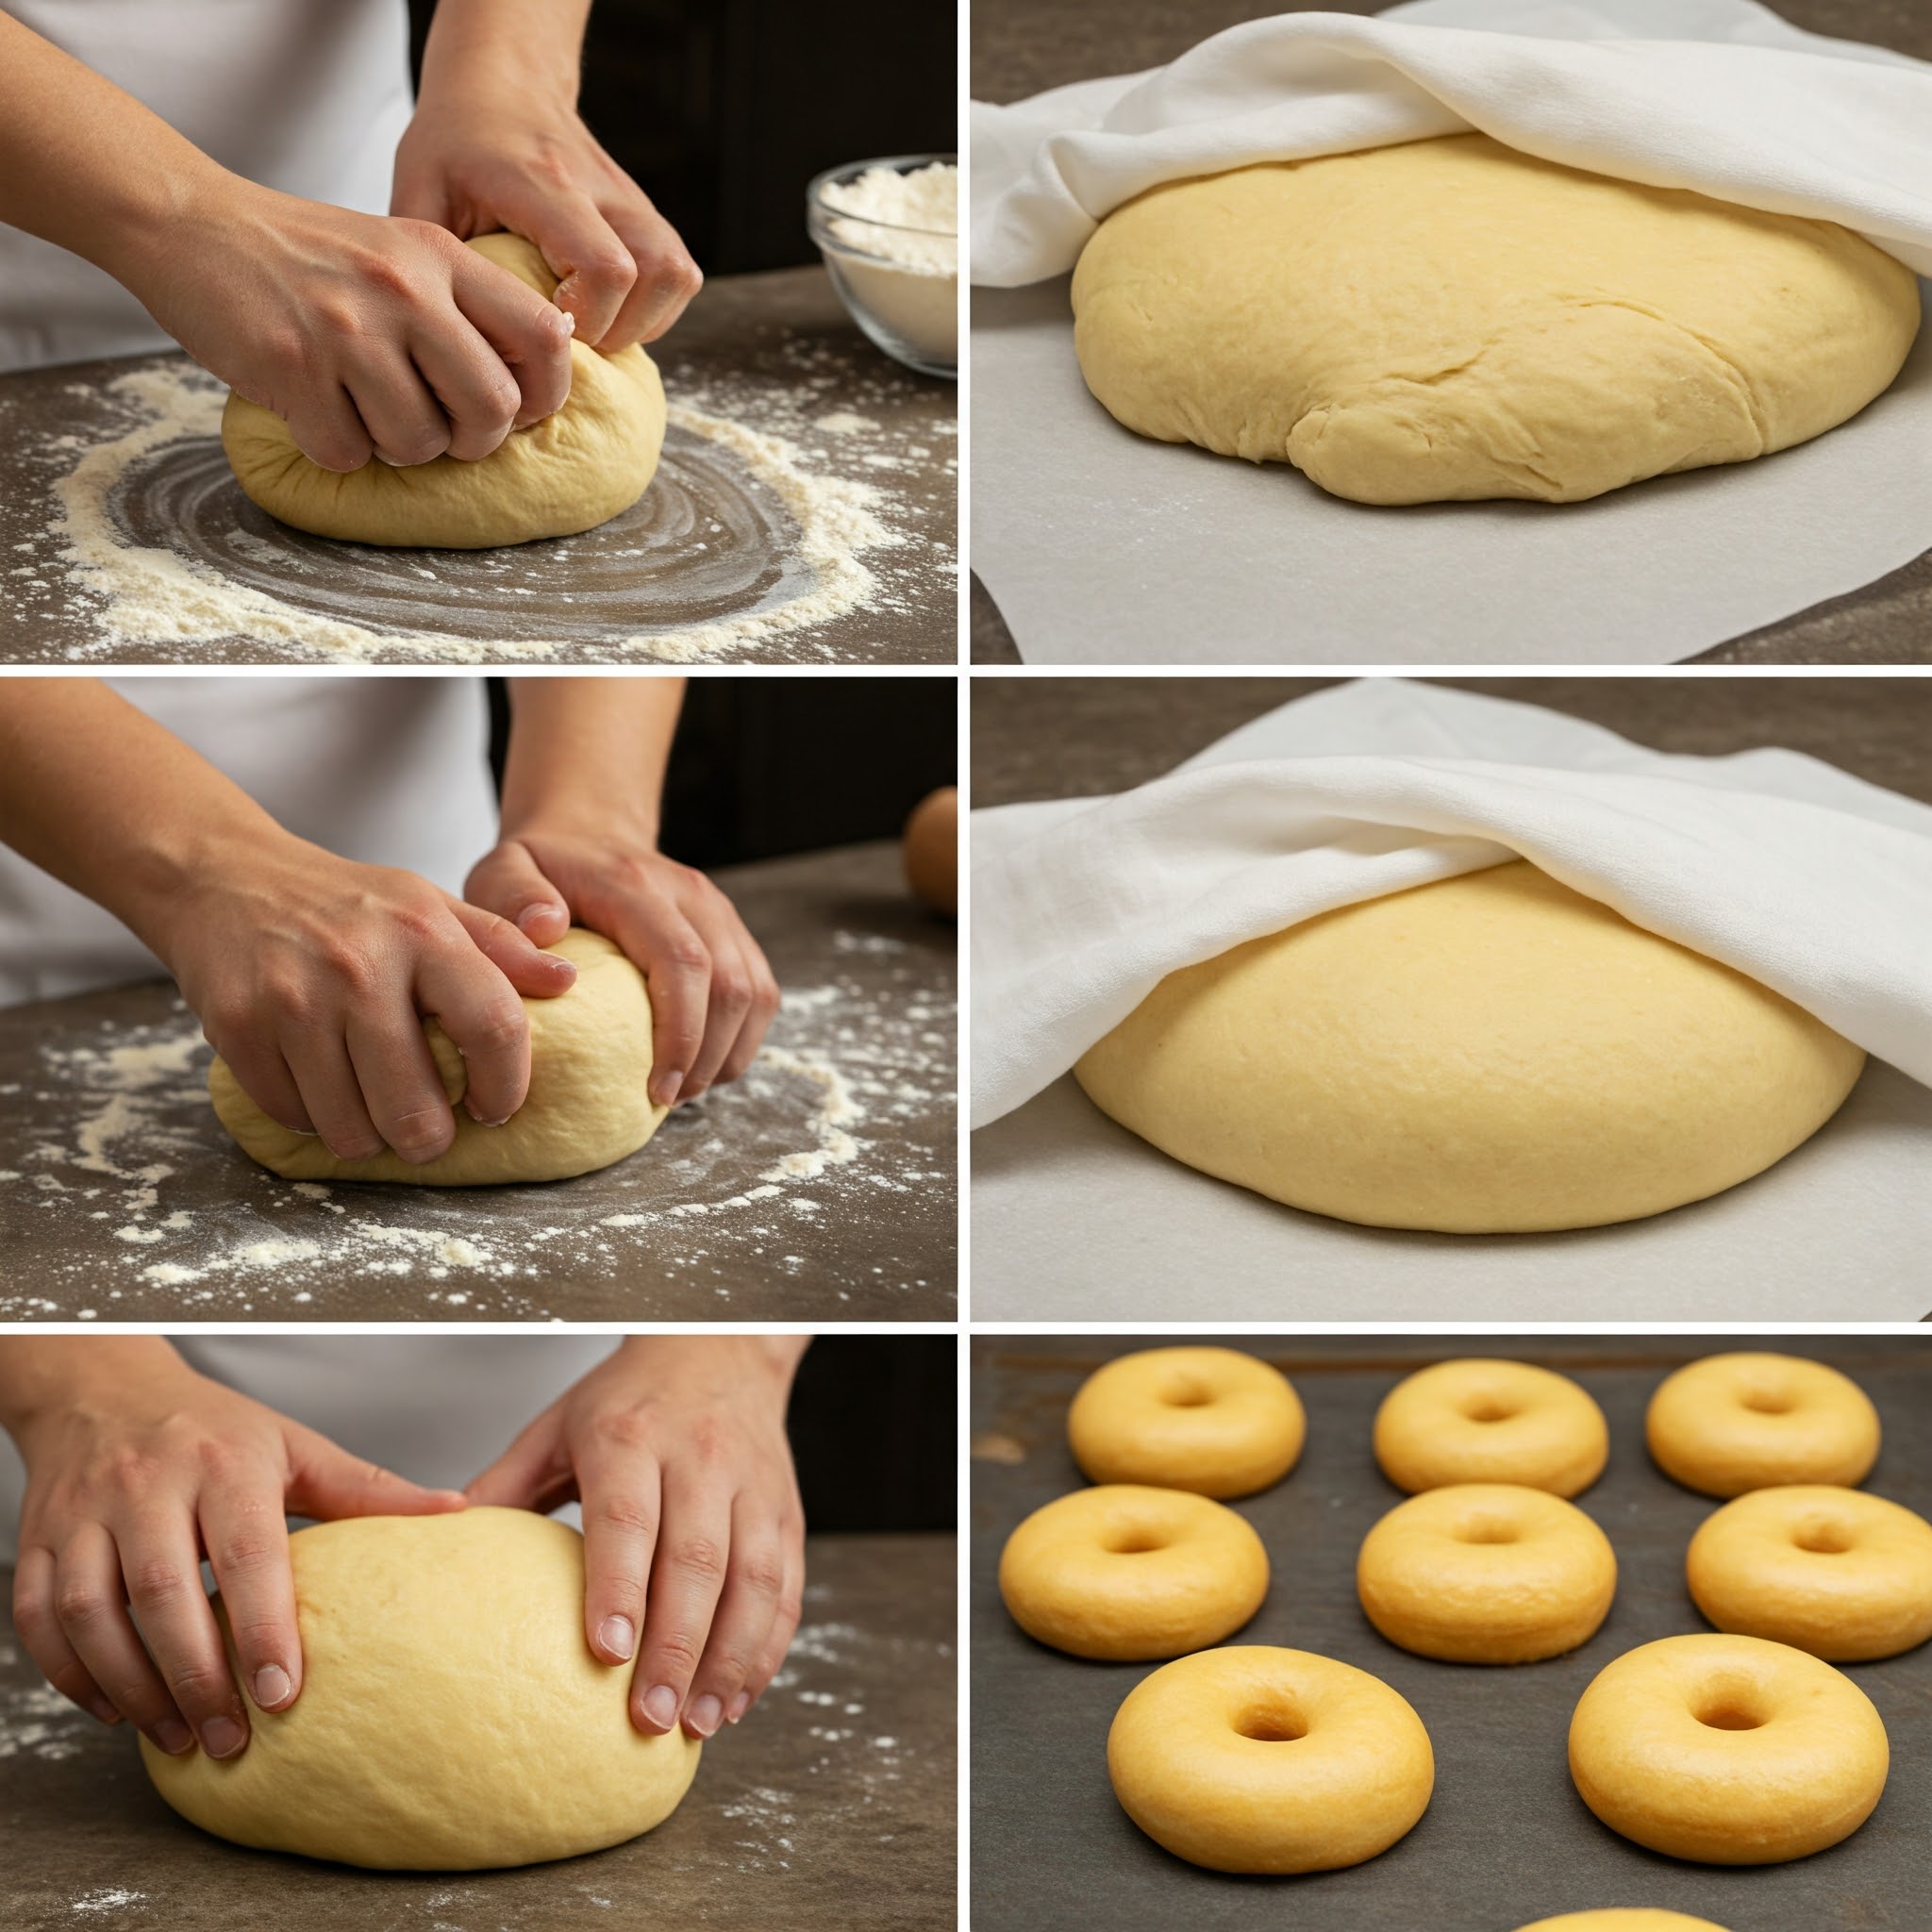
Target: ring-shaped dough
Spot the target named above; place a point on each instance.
(1486, 1574)
(1210, 1419)
(1842, 1575)
(1258, 1759)
(1481, 1421)
(1622, 1919)
(1733, 1422)
(1128, 1573)
(1727, 1750)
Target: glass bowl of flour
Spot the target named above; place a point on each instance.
(890, 234)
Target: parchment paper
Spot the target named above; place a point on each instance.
(1100, 546)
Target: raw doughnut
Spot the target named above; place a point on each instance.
(573, 470)
(1493, 1053)
(1129, 1573)
(452, 1716)
(1481, 1421)
(1729, 1749)
(1844, 1575)
(1210, 1419)
(1622, 1919)
(590, 1061)
(1486, 1574)
(1258, 1759)
(1453, 318)
(1732, 1423)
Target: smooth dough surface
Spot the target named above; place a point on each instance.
(587, 1104)
(1479, 1420)
(576, 469)
(1726, 1424)
(1619, 1919)
(1493, 1053)
(452, 1716)
(1453, 318)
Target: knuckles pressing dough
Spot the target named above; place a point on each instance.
(572, 470)
(1490, 1054)
(451, 1715)
(587, 1104)
(1451, 319)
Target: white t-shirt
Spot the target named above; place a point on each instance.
(391, 770)
(310, 96)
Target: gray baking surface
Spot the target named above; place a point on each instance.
(811, 1816)
(1506, 1839)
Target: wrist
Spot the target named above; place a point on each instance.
(45, 1378)
(590, 818)
(182, 873)
(156, 219)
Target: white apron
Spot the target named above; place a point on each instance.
(391, 770)
(310, 96)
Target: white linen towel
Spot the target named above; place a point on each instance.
(1717, 96)
(1810, 880)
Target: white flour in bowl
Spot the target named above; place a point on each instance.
(895, 244)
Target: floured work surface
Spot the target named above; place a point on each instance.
(1506, 1839)
(821, 1187)
(805, 512)
(1077, 1220)
(831, 1807)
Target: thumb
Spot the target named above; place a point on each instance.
(510, 883)
(326, 1482)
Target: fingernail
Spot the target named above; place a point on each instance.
(173, 1736)
(531, 912)
(740, 1704)
(105, 1712)
(272, 1687)
(706, 1715)
(618, 1638)
(660, 1707)
(222, 1737)
(665, 1086)
(480, 1121)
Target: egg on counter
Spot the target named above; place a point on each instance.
(932, 850)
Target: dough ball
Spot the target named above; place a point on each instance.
(452, 1716)
(571, 472)
(1452, 318)
(1491, 1053)
(587, 1104)
(932, 850)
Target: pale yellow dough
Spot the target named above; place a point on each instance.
(1618, 1919)
(451, 1715)
(587, 1104)
(1453, 318)
(1492, 1053)
(573, 470)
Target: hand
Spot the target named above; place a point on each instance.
(712, 992)
(367, 335)
(693, 1529)
(479, 158)
(134, 1468)
(311, 975)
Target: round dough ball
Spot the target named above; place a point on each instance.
(1486, 1574)
(451, 1715)
(1125, 1573)
(1622, 1919)
(1491, 1053)
(932, 850)
(1453, 318)
(1727, 1750)
(1844, 1575)
(576, 469)
(587, 1104)
(1731, 1422)
(1481, 1421)
(1258, 1759)
(1210, 1419)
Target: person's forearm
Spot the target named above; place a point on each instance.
(479, 46)
(97, 793)
(724, 1358)
(587, 754)
(42, 1373)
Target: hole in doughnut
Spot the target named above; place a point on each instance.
(1487, 1529)
(1769, 1401)
(1132, 1541)
(1185, 1392)
(1728, 1712)
(1275, 1721)
(1824, 1537)
(1490, 1408)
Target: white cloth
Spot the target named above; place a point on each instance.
(1810, 880)
(391, 770)
(310, 96)
(1717, 96)
(436, 1408)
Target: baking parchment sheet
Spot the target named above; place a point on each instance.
(1103, 547)
(1077, 1220)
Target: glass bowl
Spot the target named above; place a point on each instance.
(900, 284)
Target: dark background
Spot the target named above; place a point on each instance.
(722, 112)
(873, 1429)
(763, 766)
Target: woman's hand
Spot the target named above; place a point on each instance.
(692, 1531)
(136, 1465)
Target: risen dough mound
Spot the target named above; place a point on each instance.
(1491, 1053)
(1452, 318)
(452, 1716)
(590, 1063)
(571, 472)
